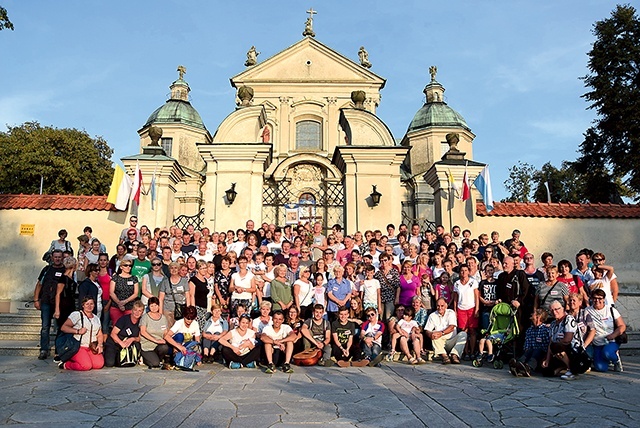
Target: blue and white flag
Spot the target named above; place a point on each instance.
(483, 184)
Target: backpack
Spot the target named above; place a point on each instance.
(188, 361)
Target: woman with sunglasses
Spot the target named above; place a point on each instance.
(606, 325)
(152, 282)
(123, 290)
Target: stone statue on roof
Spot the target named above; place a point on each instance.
(308, 26)
(252, 57)
(364, 57)
(182, 70)
(433, 70)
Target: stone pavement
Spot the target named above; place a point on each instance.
(37, 393)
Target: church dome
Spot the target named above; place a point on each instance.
(176, 111)
(435, 112)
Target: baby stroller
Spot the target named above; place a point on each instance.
(503, 328)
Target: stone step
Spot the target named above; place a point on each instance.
(19, 318)
(32, 336)
(26, 327)
(25, 348)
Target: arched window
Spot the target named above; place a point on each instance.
(307, 198)
(308, 135)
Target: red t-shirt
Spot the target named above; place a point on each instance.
(572, 285)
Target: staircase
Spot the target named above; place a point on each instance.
(20, 332)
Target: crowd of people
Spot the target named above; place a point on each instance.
(261, 296)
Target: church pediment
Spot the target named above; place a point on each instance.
(308, 61)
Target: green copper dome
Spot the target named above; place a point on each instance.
(437, 114)
(176, 111)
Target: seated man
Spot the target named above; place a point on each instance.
(344, 347)
(276, 338)
(441, 329)
(316, 332)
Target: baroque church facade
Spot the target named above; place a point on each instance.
(303, 144)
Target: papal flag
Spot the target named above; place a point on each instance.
(120, 189)
(483, 184)
(452, 184)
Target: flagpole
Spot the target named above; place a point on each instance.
(451, 201)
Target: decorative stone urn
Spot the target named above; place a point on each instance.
(358, 98)
(245, 94)
(155, 133)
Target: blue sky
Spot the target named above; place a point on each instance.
(511, 68)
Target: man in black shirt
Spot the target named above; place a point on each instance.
(513, 288)
(44, 297)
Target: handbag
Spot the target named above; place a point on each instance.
(67, 345)
(129, 357)
(579, 361)
(179, 308)
(621, 338)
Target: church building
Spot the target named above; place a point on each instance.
(304, 144)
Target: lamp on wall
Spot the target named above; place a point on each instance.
(375, 196)
(231, 193)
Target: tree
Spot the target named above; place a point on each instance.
(68, 160)
(4, 20)
(520, 182)
(565, 184)
(610, 152)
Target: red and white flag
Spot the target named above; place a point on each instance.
(137, 184)
(466, 188)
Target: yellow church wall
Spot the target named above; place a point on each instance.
(22, 255)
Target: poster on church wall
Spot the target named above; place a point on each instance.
(292, 215)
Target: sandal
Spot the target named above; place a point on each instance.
(421, 361)
(446, 359)
(413, 361)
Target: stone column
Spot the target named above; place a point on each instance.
(240, 163)
(363, 167)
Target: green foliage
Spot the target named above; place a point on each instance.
(70, 161)
(4, 20)
(565, 184)
(520, 182)
(610, 152)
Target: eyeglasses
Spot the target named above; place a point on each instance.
(328, 253)
(246, 316)
(597, 298)
(371, 315)
(556, 309)
(598, 260)
(127, 265)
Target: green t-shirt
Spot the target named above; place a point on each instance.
(139, 270)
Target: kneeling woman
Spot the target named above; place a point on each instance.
(239, 345)
(153, 325)
(125, 334)
(86, 328)
(605, 324)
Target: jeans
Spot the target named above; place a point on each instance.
(46, 314)
(370, 353)
(602, 355)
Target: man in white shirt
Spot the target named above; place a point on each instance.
(278, 338)
(441, 329)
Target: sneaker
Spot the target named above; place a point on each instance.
(568, 376)
(43, 355)
(321, 362)
(376, 361)
(56, 359)
(286, 367)
(271, 368)
(343, 363)
(234, 365)
(60, 365)
(360, 363)
(617, 366)
(251, 365)
(490, 358)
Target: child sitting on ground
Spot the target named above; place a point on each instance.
(408, 331)
(235, 321)
(536, 343)
(399, 314)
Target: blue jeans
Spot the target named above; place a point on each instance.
(602, 355)
(370, 353)
(105, 318)
(46, 314)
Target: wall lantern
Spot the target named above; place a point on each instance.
(231, 193)
(375, 196)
